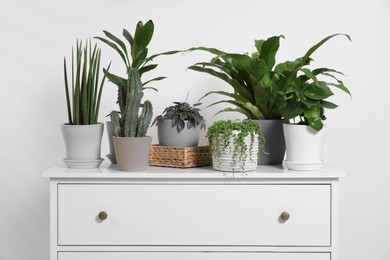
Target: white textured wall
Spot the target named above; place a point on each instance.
(35, 35)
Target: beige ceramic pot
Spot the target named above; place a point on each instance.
(132, 153)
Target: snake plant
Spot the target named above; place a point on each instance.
(83, 100)
(128, 122)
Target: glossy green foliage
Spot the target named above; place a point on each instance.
(307, 90)
(134, 53)
(253, 79)
(179, 113)
(84, 96)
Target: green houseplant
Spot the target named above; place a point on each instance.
(83, 133)
(131, 122)
(235, 145)
(306, 95)
(256, 88)
(179, 125)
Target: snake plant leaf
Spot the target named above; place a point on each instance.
(100, 92)
(269, 49)
(128, 37)
(117, 40)
(154, 79)
(115, 47)
(319, 44)
(67, 94)
(238, 88)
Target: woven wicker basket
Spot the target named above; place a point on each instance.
(179, 157)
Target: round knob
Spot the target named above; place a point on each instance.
(284, 216)
(102, 215)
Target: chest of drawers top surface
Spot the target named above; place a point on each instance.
(107, 171)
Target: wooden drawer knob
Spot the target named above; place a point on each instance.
(102, 215)
(284, 216)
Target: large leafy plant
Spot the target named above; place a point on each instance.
(307, 90)
(83, 99)
(179, 114)
(253, 79)
(129, 122)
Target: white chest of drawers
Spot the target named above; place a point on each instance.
(193, 214)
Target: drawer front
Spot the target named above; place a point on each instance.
(194, 215)
(190, 256)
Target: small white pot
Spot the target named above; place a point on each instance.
(223, 157)
(82, 145)
(304, 147)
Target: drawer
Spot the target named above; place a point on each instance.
(190, 256)
(194, 215)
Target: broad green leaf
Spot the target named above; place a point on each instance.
(269, 49)
(340, 86)
(232, 95)
(239, 110)
(235, 103)
(128, 37)
(292, 110)
(115, 79)
(117, 40)
(238, 88)
(259, 44)
(147, 68)
(115, 47)
(319, 44)
(317, 92)
(328, 105)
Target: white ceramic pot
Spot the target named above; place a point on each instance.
(83, 145)
(304, 147)
(168, 135)
(224, 157)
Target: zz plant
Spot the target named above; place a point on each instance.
(179, 113)
(306, 94)
(129, 122)
(253, 79)
(83, 99)
(221, 133)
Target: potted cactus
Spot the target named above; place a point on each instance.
(255, 90)
(83, 133)
(179, 125)
(131, 122)
(306, 96)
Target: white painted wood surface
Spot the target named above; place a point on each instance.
(190, 256)
(169, 213)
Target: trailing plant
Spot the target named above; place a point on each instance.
(220, 134)
(306, 94)
(129, 122)
(179, 113)
(253, 78)
(83, 99)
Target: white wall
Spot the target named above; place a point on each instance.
(36, 35)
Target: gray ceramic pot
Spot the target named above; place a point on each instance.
(168, 135)
(110, 134)
(132, 153)
(274, 142)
